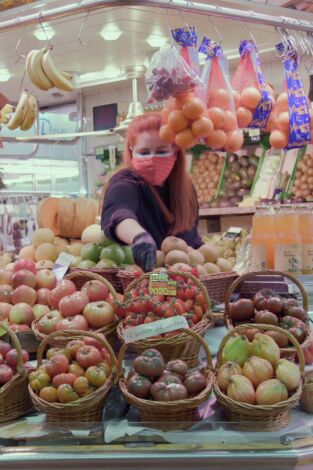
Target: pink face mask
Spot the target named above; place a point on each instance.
(154, 169)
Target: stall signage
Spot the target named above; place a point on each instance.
(62, 264)
(161, 284)
(233, 232)
(155, 328)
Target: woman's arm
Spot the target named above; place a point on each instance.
(127, 230)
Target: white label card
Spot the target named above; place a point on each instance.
(62, 264)
(154, 328)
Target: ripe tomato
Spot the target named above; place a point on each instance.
(76, 369)
(131, 320)
(39, 381)
(74, 345)
(159, 310)
(198, 313)
(201, 300)
(81, 386)
(60, 379)
(179, 306)
(73, 304)
(77, 322)
(137, 306)
(94, 342)
(58, 364)
(120, 309)
(66, 393)
(169, 312)
(96, 376)
(88, 356)
(188, 305)
(190, 292)
(106, 367)
(95, 290)
(49, 394)
(99, 314)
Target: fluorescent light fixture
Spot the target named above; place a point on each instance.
(100, 76)
(110, 72)
(5, 75)
(156, 40)
(44, 34)
(110, 32)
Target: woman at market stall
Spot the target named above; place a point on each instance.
(153, 197)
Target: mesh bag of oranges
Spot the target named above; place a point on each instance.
(253, 97)
(219, 100)
(291, 121)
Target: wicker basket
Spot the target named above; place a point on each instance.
(217, 285)
(14, 396)
(110, 274)
(85, 409)
(126, 277)
(306, 400)
(178, 414)
(79, 278)
(181, 345)
(289, 352)
(258, 417)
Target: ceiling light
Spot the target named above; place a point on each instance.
(110, 72)
(5, 75)
(156, 40)
(110, 32)
(44, 33)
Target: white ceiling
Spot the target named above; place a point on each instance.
(131, 48)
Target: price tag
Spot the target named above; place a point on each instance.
(62, 264)
(254, 134)
(161, 284)
(233, 232)
(155, 328)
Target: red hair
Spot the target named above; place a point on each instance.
(183, 200)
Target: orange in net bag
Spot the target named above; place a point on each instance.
(220, 100)
(253, 97)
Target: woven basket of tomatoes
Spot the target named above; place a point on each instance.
(90, 308)
(14, 397)
(265, 306)
(256, 387)
(166, 393)
(191, 301)
(72, 384)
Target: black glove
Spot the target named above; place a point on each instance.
(144, 251)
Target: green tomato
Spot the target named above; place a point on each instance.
(90, 252)
(128, 255)
(113, 253)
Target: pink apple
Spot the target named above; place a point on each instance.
(11, 357)
(6, 374)
(4, 348)
(24, 264)
(43, 296)
(46, 279)
(23, 278)
(4, 310)
(40, 310)
(21, 313)
(20, 328)
(23, 294)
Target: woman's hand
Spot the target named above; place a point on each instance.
(144, 251)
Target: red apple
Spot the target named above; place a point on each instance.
(73, 304)
(24, 264)
(99, 314)
(4, 348)
(21, 313)
(40, 310)
(11, 358)
(78, 322)
(46, 279)
(62, 289)
(95, 290)
(5, 277)
(43, 296)
(5, 293)
(4, 310)
(47, 324)
(6, 374)
(23, 294)
(23, 278)
(20, 328)
(88, 356)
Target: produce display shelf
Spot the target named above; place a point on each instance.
(224, 211)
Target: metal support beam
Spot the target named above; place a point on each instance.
(76, 8)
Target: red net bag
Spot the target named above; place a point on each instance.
(220, 100)
(253, 97)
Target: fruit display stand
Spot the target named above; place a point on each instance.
(14, 397)
(250, 416)
(88, 408)
(179, 345)
(175, 414)
(255, 278)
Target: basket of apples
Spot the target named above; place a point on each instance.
(167, 394)
(73, 381)
(14, 369)
(256, 387)
(90, 308)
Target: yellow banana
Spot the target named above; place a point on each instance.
(31, 114)
(54, 75)
(38, 71)
(30, 73)
(20, 112)
(4, 113)
(67, 75)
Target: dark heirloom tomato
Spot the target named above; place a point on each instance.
(195, 382)
(168, 378)
(177, 367)
(295, 326)
(139, 386)
(150, 363)
(162, 392)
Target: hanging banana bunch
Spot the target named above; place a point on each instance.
(25, 114)
(43, 73)
(5, 113)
